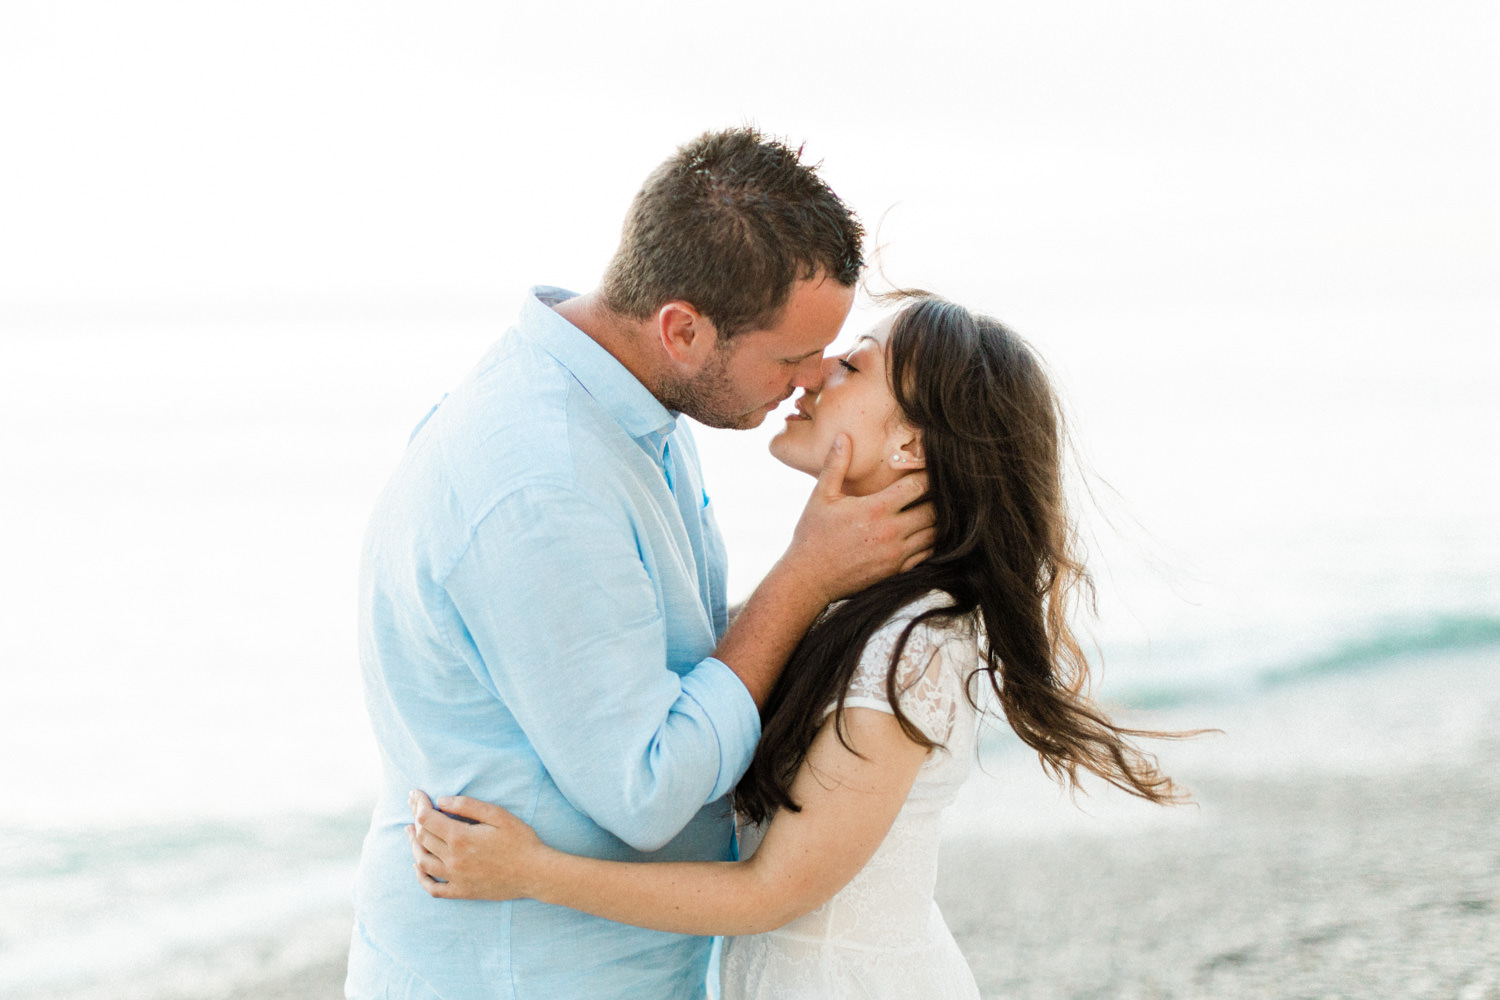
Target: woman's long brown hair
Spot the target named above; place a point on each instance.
(1005, 553)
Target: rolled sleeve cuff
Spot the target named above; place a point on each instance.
(731, 711)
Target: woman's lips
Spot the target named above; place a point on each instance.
(799, 408)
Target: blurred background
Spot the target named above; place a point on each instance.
(245, 247)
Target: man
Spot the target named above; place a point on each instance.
(543, 621)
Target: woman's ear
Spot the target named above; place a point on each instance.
(905, 450)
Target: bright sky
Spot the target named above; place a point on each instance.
(1227, 223)
(162, 152)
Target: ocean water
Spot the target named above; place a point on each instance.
(1271, 495)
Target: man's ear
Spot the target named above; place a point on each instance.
(904, 450)
(687, 336)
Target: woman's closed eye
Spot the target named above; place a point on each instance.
(845, 363)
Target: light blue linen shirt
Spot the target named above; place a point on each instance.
(541, 590)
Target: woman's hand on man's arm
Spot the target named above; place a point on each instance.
(849, 800)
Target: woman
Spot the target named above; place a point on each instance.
(870, 731)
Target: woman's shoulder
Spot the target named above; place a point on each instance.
(920, 631)
(924, 662)
(934, 627)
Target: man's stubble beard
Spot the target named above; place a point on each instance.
(710, 397)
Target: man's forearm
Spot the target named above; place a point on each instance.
(768, 627)
(842, 544)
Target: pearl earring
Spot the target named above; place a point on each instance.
(896, 457)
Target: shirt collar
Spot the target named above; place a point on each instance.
(599, 372)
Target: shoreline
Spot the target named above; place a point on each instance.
(1343, 844)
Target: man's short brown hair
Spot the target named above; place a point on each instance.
(730, 224)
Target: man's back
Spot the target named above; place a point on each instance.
(543, 586)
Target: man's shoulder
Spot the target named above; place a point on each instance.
(516, 387)
(518, 433)
(521, 420)
(508, 408)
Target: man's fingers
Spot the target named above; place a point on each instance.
(904, 506)
(918, 519)
(835, 465)
(915, 559)
(922, 541)
(905, 490)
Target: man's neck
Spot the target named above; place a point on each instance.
(624, 338)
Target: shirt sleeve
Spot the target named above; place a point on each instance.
(563, 614)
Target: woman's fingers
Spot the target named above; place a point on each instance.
(473, 810)
(423, 854)
(465, 848)
(432, 872)
(440, 890)
(437, 828)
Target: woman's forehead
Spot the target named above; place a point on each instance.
(878, 335)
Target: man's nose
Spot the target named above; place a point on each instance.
(810, 375)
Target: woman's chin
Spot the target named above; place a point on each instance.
(790, 456)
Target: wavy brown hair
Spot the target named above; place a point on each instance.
(1005, 555)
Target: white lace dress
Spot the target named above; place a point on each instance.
(882, 936)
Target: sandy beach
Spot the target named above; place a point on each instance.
(1368, 888)
(1344, 844)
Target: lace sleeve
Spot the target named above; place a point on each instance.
(922, 681)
